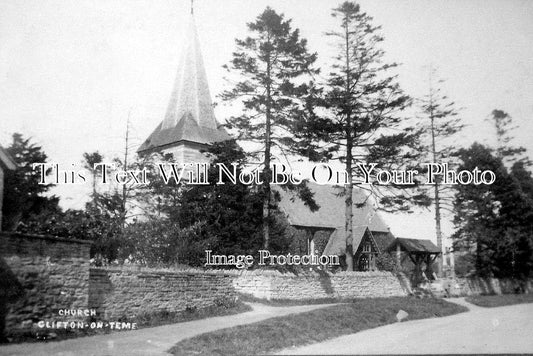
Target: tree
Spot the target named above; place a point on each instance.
(503, 124)
(157, 199)
(161, 242)
(477, 209)
(231, 212)
(91, 224)
(273, 61)
(362, 123)
(24, 196)
(513, 251)
(495, 221)
(440, 124)
(105, 218)
(225, 218)
(101, 220)
(520, 217)
(89, 160)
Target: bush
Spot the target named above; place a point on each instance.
(160, 242)
(385, 262)
(464, 265)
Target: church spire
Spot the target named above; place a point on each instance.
(190, 115)
(191, 90)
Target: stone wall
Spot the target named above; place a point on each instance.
(478, 286)
(275, 285)
(127, 292)
(53, 273)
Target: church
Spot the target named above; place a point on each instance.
(190, 126)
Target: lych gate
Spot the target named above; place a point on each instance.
(420, 252)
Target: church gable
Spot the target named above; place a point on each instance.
(311, 230)
(366, 253)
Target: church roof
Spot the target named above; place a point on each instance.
(414, 246)
(189, 116)
(187, 129)
(331, 213)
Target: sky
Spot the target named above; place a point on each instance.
(72, 72)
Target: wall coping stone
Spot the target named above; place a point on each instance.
(142, 270)
(241, 273)
(312, 273)
(44, 237)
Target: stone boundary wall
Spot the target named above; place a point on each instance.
(126, 292)
(478, 286)
(53, 273)
(275, 285)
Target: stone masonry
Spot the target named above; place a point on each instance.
(125, 292)
(53, 272)
(478, 286)
(275, 285)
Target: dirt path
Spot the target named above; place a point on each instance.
(506, 329)
(150, 341)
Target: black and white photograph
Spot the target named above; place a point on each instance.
(266, 177)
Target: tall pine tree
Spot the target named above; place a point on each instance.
(272, 64)
(363, 102)
(440, 122)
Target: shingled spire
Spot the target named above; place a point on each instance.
(189, 124)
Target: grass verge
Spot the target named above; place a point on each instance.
(291, 302)
(275, 334)
(491, 301)
(149, 320)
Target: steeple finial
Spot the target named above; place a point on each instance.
(192, 7)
